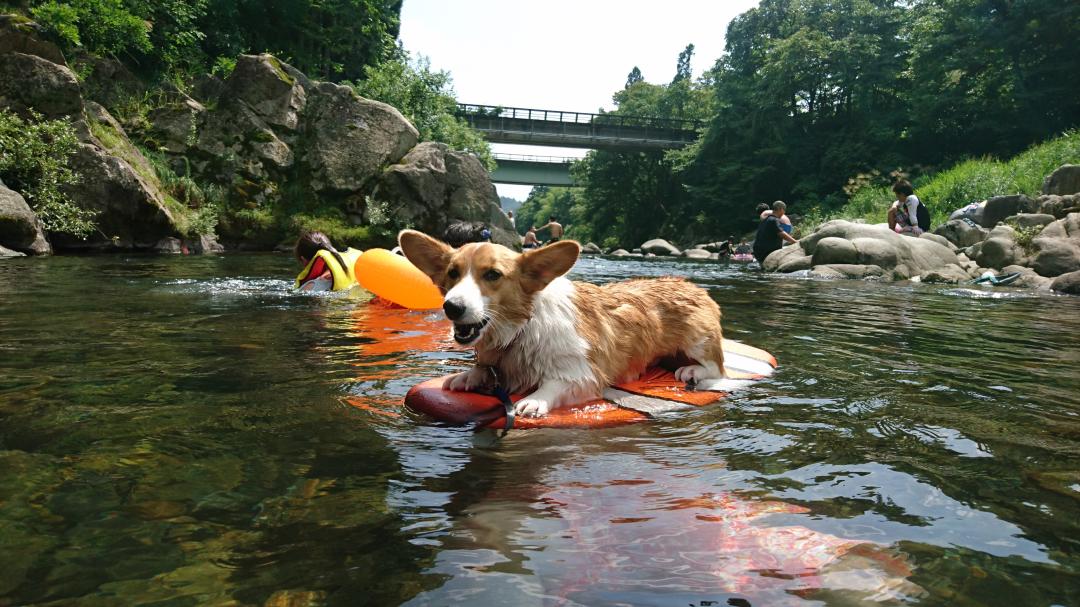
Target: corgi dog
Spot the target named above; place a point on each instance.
(559, 341)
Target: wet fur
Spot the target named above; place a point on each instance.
(565, 341)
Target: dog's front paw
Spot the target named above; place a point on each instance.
(469, 381)
(532, 407)
(695, 373)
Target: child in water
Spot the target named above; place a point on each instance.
(318, 273)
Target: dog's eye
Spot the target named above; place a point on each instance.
(453, 274)
(492, 275)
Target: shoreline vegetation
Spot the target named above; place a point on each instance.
(968, 181)
(820, 104)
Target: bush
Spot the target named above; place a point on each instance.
(970, 181)
(198, 205)
(34, 160)
(104, 27)
(337, 229)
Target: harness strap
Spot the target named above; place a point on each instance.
(503, 395)
(504, 398)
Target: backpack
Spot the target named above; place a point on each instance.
(923, 216)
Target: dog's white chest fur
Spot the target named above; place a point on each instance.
(548, 346)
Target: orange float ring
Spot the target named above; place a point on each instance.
(394, 278)
(655, 391)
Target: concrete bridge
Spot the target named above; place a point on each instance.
(532, 170)
(612, 132)
(578, 129)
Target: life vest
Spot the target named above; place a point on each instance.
(344, 277)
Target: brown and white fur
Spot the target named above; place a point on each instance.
(564, 341)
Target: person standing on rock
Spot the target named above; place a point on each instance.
(904, 212)
(770, 233)
(510, 216)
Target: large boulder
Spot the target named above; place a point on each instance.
(350, 139)
(19, 226)
(1000, 207)
(6, 252)
(272, 89)
(847, 270)
(697, 254)
(867, 245)
(1064, 180)
(30, 82)
(999, 249)
(131, 210)
(834, 250)
(941, 240)
(173, 127)
(1057, 247)
(20, 35)
(110, 83)
(1031, 220)
(659, 246)
(1058, 206)
(1067, 283)
(962, 233)
(434, 186)
(950, 274)
(1029, 279)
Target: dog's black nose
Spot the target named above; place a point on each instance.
(453, 311)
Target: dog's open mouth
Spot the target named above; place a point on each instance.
(465, 334)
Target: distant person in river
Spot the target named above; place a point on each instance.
(727, 247)
(555, 227)
(907, 215)
(764, 211)
(770, 233)
(530, 241)
(325, 268)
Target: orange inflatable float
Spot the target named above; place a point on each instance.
(393, 278)
(657, 391)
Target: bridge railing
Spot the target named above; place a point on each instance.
(469, 110)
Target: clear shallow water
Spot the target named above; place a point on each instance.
(185, 431)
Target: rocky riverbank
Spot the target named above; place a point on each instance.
(1037, 238)
(281, 151)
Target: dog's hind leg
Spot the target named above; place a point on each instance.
(709, 354)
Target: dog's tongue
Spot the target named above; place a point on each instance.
(464, 334)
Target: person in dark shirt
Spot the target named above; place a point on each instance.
(770, 233)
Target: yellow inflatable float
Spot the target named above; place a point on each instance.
(393, 278)
(342, 273)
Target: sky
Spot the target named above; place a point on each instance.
(560, 54)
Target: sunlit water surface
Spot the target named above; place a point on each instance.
(186, 431)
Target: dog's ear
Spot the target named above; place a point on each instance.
(430, 255)
(541, 266)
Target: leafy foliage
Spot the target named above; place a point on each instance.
(971, 181)
(329, 40)
(34, 157)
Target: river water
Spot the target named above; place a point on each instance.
(185, 431)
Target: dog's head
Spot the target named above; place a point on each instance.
(487, 287)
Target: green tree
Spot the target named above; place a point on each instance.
(633, 77)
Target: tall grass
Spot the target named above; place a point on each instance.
(970, 181)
